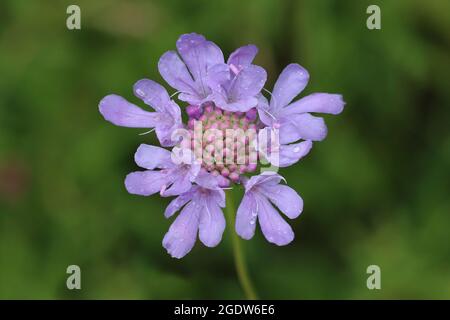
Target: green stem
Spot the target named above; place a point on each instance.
(239, 258)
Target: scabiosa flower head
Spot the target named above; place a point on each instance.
(231, 132)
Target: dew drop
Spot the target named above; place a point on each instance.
(140, 93)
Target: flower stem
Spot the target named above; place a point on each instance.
(239, 258)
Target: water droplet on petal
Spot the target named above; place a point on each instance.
(140, 93)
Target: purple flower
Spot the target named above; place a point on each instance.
(293, 118)
(165, 119)
(173, 179)
(236, 85)
(260, 193)
(282, 155)
(231, 128)
(201, 214)
(187, 70)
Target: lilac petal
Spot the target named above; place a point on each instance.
(273, 226)
(302, 126)
(152, 93)
(219, 197)
(243, 105)
(172, 109)
(199, 55)
(243, 56)
(212, 223)
(181, 184)
(292, 153)
(193, 99)
(181, 179)
(316, 102)
(145, 183)
(151, 157)
(264, 112)
(164, 135)
(246, 217)
(207, 180)
(194, 170)
(285, 198)
(265, 178)
(120, 112)
(169, 124)
(292, 80)
(217, 75)
(247, 83)
(289, 133)
(175, 73)
(180, 238)
(177, 203)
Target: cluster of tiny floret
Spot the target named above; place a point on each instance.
(224, 141)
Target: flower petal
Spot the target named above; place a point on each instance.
(292, 153)
(169, 124)
(273, 226)
(264, 111)
(316, 102)
(152, 93)
(219, 197)
(145, 183)
(181, 178)
(120, 112)
(285, 198)
(181, 184)
(218, 75)
(173, 109)
(207, 180)
(182, 234)
(247, 83)
(292, 80)
(212, 222)
(246, 217)
(175, 73)
(302, 126)
(177, 203)
(265, 178)
(199, 55)
(243, 56)
(243, 105)
(151, 157)
(164, 135)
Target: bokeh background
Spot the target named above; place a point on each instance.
(376, 191)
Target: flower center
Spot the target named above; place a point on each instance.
(223, 141)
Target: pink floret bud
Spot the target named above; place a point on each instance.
(251, 114)
(194, 111)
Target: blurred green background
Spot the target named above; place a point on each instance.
(376, 191)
